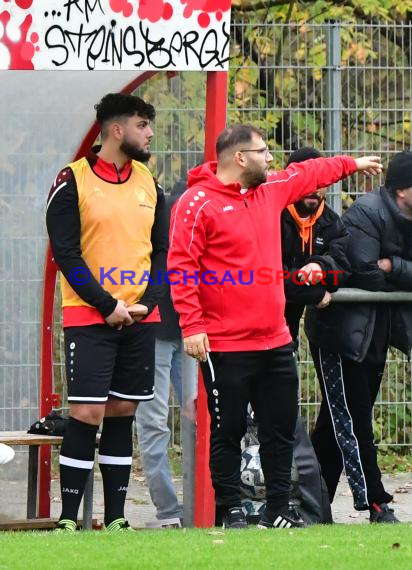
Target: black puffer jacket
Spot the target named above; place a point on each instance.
(330, 241)
(377, 230)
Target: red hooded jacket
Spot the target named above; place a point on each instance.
(234, 234)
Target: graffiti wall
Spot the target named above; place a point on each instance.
(115, 34)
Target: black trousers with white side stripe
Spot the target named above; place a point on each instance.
(343, 436)
(269, 381)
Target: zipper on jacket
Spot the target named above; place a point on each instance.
(117, 172)
(246, 204)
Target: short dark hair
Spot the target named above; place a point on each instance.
(115, 105)
(303, 153)
(235, 135)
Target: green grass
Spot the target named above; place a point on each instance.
(338, 547)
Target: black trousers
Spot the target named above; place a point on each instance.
(343, 436)
(269, 381)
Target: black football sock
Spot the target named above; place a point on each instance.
(76, 462)
(115, 460)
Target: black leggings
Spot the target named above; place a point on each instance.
(343, 436)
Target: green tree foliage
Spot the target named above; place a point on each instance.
(319, 11)
(279, 74)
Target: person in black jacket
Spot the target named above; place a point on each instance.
(349, 343)
(314, 240)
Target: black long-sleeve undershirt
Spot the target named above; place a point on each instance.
(64, 228)
(160, 243)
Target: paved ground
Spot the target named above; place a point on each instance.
(139, 509)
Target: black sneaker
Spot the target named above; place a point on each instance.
(289, 518)
(234, 518)
(382, 514)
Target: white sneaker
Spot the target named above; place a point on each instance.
(165, 523)
(6, 453)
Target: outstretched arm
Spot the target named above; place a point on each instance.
(302, 178)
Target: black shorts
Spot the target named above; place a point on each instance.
(102, 361)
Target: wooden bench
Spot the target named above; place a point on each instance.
(33, 442)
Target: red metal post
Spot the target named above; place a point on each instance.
(46, 380)
(204, 508)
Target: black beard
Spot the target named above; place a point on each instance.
(305, 211)
(135, 153)
(253, 179)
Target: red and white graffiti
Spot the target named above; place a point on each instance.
(114, 34)
(17, 44)
(206, 7)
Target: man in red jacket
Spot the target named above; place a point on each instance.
(225, 268)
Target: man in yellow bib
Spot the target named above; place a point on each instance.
(108, 233)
